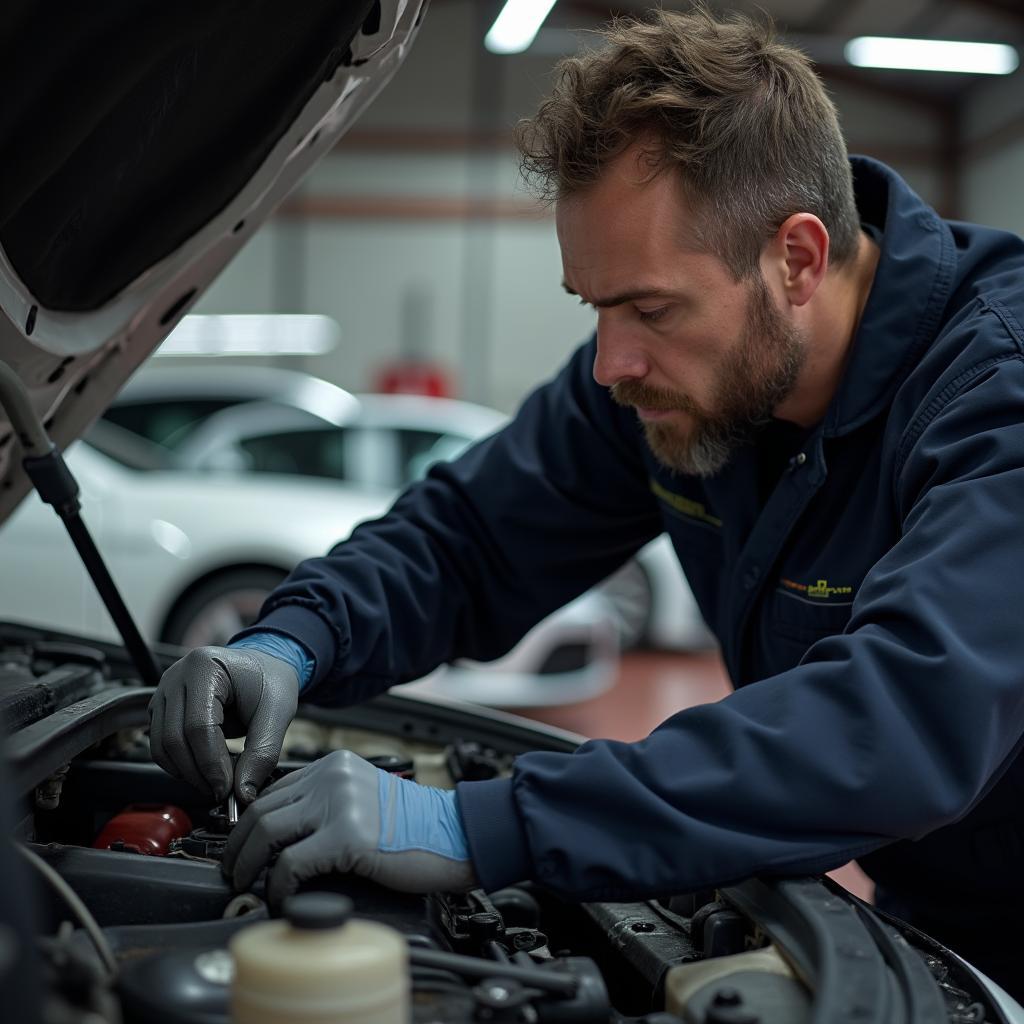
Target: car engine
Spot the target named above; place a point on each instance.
(142, 851)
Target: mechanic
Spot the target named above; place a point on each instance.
(812, 383)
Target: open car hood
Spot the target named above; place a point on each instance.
(143, 147)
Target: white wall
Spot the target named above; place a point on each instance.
(994, 178)
(483, 298)
(994, 188)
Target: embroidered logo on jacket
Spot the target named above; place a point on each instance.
(686, 507)
(821, 589)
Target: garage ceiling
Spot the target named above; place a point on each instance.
(822, 27)
(454, 96)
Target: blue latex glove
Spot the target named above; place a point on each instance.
(342, 814)
(279, 646)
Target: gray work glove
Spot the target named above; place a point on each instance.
(215, 692)
(343, 814)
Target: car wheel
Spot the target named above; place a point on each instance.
(630, 592)
(216, 609)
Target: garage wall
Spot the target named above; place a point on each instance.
(993, 129)
(418, 239)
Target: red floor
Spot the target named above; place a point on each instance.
(650, 688)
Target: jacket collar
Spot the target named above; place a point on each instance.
(912, 285)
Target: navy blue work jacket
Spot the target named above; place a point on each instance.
(867, 604)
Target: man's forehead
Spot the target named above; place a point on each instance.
(605, 268)
(619, 213)
(617, 185)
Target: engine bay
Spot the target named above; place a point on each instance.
(142, 851)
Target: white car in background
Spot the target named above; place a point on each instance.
(253, 419)
(196, 553)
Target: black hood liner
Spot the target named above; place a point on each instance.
(125, 126)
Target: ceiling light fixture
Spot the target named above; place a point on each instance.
(931, 55)
(514, 28)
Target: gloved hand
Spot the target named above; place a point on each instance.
(215, 692)
(342, 814)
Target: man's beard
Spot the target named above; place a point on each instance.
(752, 380)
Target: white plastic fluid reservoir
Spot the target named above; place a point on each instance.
(319, 965)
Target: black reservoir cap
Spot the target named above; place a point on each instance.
(317, 911)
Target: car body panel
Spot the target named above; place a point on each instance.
(163, 531)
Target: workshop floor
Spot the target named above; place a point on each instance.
(652, 686)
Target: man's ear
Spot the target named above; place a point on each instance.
(797, 257)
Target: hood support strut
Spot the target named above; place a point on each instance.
(52, 479)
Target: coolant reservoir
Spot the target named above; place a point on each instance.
(319, 966)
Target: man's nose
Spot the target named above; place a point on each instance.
(619, 355)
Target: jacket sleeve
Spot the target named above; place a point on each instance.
(469, 559)
(888, 731)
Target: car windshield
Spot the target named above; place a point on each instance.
(129, 449)
(167, 422)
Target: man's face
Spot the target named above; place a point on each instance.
(703, 359)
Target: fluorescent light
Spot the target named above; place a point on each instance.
(514, 28)
(931, 55)
(251, 334)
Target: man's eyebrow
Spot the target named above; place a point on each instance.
(629, 295)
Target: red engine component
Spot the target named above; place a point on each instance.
(144, 828)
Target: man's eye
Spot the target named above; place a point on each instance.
(652, 315)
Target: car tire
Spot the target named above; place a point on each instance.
(212, 611)
(630, 591)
